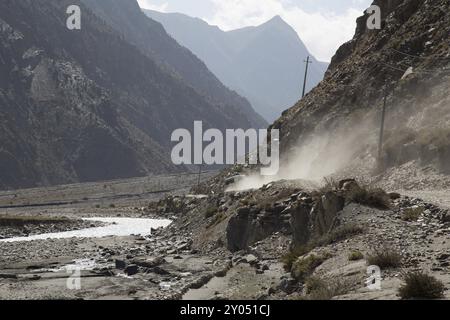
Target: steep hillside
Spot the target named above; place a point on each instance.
(86, 105)
(337, 124)
(149, 36)
(264, 63)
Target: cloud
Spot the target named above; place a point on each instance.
(147, 4)
(322, 32)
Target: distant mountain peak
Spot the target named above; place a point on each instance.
(263, 63)
(277, 20)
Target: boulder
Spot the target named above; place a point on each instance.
(250, 259)
(288, 285)
(349, 186)
(120, 264)
(132, 269)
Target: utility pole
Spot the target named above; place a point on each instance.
(383, 115)
(199, 175)
(307, 61)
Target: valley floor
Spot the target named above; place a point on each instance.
(188, 260)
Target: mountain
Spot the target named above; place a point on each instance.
(88, 105)
(337, 125)
(265, 64)
(149, 36)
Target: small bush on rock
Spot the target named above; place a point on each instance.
(320, 289)
(355, 255)
(412, 214)
(385, 258)
(210, 211)
(289, 258)
(374, 198)
(305, 266)
(421, 286)
(339, 234)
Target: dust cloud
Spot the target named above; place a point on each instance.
(322, 154)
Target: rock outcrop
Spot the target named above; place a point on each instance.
(302, 215)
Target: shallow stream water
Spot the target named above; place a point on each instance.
(116, 227)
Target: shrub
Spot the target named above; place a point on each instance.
(303, 267)
(374, 198)
(355, 255)
(210, 211)
(421, 286)
(412, 214)
(394, 196)
(218, 218)
(339, 234)
(318, 288)
(385, 258)
(292, 256)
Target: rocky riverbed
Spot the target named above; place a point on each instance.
(240, 245)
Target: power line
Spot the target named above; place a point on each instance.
(416, 56)
(392, 67)
(383, 115)
(415, 71)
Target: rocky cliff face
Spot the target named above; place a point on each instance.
(87, 105)
(338, 122)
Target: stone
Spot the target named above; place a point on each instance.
(183, 246)
(288, 285)
(131, 270)
(164, 286)
(394, 195)
(243, 211)
(120, 264)
(250, 259)
(160, 271)
(279, 208)
(344, 184)
(443, 256)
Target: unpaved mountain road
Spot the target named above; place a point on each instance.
(440, 198)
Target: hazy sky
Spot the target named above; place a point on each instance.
(322, 24)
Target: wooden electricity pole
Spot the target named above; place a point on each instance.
(199, 176)
(307, 62)
(383, 115)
